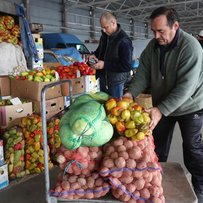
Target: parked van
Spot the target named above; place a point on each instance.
(63, 40)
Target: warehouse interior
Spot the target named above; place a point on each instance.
(82, 19)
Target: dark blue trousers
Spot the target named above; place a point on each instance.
(114, 90)
(190, 126)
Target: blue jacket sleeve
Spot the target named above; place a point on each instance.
(124, 64)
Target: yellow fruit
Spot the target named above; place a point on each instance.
(140, 136)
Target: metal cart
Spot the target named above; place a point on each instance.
(49, 199)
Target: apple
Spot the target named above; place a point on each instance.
(135, 106)
(116, 111)
(123, 103)
(127, 99)
(140, 136)
(110, 104)
(146, 117)
(134, 115)
(125, 115)
(130, 124)
(120, 126)
(112, 119)
(131, 132)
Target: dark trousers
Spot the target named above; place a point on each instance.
(190, 126)
(114, 90)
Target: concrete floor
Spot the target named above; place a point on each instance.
(32, 189)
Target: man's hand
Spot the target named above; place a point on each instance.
(155, 116)
(128, 95)
(99, 65)
(92, 56)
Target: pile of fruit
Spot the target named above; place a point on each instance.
(54, 142)
(44, 75)
(14, 152)
(128, 117)
(9, 31)
(5, 102)
(34, 157)
(69, 72)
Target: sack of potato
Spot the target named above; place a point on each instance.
(80, 187)
(83, 160)
(133, 170)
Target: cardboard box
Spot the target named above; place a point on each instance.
(91, 83)
(10, 115)
(4, 86)
(1, 152)
(78, 87)
(4, 176)
(53, 106)
(32, 90)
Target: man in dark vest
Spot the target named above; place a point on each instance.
(113, 56)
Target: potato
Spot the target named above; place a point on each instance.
(114, 155)
(124, 154)
(154, 191)
(89, 195)
(99, 182)
(128, 144)
(115, 194)
(119, 191)
(125, 198)
(121, 148)
(131, 163)
(130, 187)
(85, 171)
(72, 179)
(156, 181)
(104, 171)
(116, 173)
(126, 180)
(141, 165)
(109, 150)
(127, 173)
(139, 183)
(94, 149)
(144, 193)
(58, 189)
(120, 162)
(74, 186)
(80, 193)
(65, 185)
(117, 142)
(156, 200)
(137, 174)
(81, 181)
(93, 155)
(90, 182)
(135, 153)
(109, 163)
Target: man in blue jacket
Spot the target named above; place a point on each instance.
(171, 66)
(113, 56)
